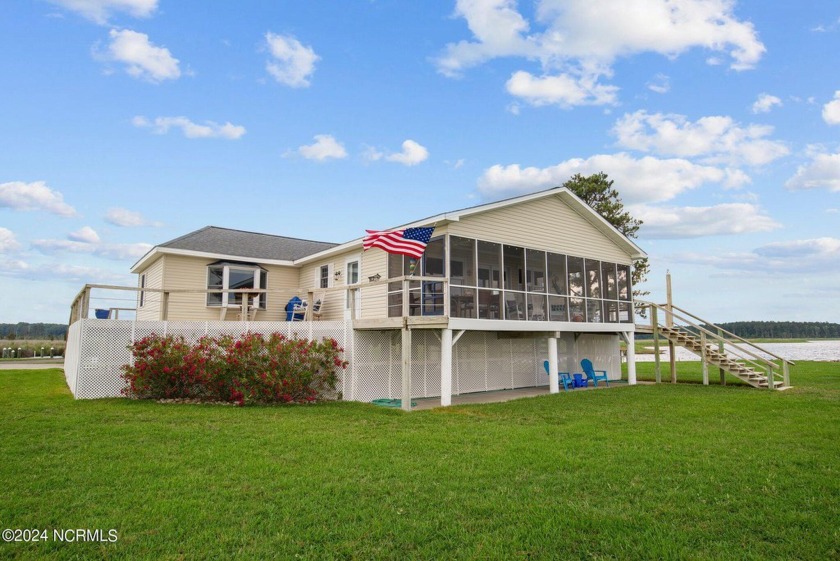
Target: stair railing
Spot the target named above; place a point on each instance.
(741, 350)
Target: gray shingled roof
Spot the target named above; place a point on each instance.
(212, 239)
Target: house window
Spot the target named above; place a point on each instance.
(235, 276)
(142, 292)
(324, 276)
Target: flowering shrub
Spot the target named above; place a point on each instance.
(248, 369)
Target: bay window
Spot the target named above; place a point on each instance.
(235, 276)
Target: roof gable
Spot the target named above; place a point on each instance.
(615, 237)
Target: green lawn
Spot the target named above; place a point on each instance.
(645, 472)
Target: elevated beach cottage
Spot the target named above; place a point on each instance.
(499, 289)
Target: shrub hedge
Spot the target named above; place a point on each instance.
(249, 369)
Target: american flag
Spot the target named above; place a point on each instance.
(411, 241)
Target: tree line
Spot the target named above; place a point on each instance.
(24, 331)
(782, 329)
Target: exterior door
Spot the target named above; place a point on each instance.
(352, 274)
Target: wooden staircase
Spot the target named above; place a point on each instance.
(716, 346)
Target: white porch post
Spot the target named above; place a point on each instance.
(631, 358)
(406, 368)
(445, 367)
(553, 378)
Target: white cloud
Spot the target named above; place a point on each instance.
(100, 11)
(292, 63)
(646, 179)
(143, 59)
(325, 147)
(372, 154)
(579, 40)
(822, 171)
(660, 84)
(208, 129)
(564, 90)
(21, 269)
(18, 195)
(127, 218)
(411, 155)
(118, 252)
(765, 103)
(498, 28)
(695, 222)
(831, 110)
(715, 139)
(8, 241)
(794, 257)
(84, 235)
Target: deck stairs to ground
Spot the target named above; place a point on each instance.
(715, 346)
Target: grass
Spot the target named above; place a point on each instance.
(645, 472)
(30, 347)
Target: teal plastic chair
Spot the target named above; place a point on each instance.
(593, 374)
(565, 377)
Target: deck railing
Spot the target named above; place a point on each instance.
(92, 297)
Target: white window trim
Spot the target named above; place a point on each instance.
(317, 283)
(353, 259)
(142, 296)
(226, 284)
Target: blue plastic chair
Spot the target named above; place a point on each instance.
(592, 374)
(565, 378)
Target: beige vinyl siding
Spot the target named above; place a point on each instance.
(184, 272)
(374, 298)
(334, 296)
(547, 224)
(151, 301)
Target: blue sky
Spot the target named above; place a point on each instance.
(126, 123)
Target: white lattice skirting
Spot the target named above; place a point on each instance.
(481, 361)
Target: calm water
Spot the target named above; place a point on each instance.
(812, 350)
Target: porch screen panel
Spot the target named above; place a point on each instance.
(514, 260)
(462, 302)
(623, 282)
(462, 261)
(395, 269)
(489, 265)
(577, 305)
(433, 266)
(535, 271)
(593, 279)
(576, 282)
(557, 274)
(489, 280)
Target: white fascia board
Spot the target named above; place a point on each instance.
(345, 247)
(156, 251)
(359, 242)
(538, 326)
